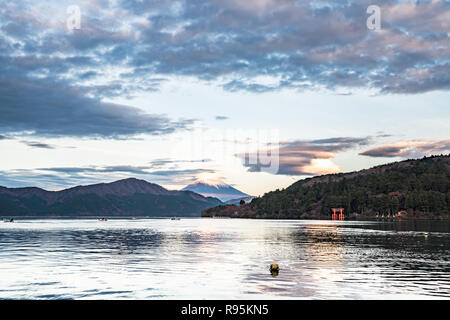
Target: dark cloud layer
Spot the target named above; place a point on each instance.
(49, 108)
(54, 81)
(304, 43)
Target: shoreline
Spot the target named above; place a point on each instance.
(220, 217)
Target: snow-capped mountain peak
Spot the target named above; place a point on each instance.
(215, 188)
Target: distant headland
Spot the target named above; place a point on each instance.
(408, 189)
(128, 197)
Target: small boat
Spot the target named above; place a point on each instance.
(102, 219)
(174, 218)
(10, 220)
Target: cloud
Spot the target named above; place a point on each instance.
(185, 172)
(172, 163)
(410, 149)
(51, 108)
(256, 46)
(341, 142)
(306, 157)
(88, 75)
(240, 85)
(40, 145)
(222, 118)
(127, 169)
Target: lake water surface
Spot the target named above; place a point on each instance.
(223, 259)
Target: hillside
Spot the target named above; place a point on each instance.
(128, 197)
(421, 188)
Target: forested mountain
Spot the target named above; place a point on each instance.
(418, 187)
(128, 197)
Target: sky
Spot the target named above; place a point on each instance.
(255, 93)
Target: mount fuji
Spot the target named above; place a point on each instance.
(219, 190)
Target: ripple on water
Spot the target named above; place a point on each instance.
(222, 258)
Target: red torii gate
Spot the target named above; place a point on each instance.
(335, 215)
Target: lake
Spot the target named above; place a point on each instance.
(223, 259)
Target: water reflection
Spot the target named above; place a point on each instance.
(223, 258)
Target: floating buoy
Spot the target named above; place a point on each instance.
(274, 269)
(274, 266)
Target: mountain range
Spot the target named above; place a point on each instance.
(410, 188)
(128, 197)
